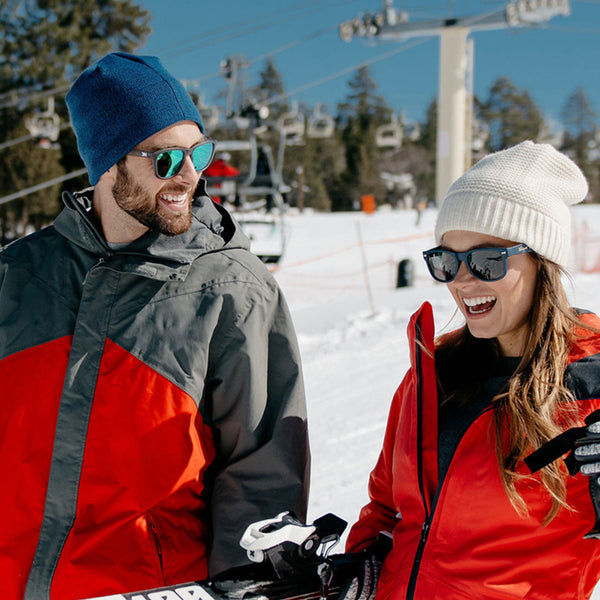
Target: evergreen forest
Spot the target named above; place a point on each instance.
(47, 44)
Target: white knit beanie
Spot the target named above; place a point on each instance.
(521, 194)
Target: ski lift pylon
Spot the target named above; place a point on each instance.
(320, 124)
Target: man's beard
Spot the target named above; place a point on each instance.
(137, 202)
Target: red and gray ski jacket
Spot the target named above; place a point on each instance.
(460, 538)
(151, 406)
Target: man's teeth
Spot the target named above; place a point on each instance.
(473, 303)
(174, 198)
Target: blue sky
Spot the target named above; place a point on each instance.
(192, 37)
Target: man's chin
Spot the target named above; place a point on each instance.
(175, 225)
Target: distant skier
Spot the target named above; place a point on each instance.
(220, 167)
(468, 517)
(420, 207)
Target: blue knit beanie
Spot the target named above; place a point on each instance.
(120, 101)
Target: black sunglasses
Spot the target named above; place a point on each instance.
(168, 162)
(487, 264)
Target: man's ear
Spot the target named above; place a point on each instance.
(110, 176)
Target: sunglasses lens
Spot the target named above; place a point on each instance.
(169, 162)
(442, 265)
(487, 264)
(202, 155)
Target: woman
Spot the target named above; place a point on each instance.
(468, 518)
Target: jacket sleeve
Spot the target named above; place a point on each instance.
(255, 398)
(379, 514)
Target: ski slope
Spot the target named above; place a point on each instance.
(339, 276)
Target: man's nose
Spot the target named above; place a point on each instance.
(188, 171)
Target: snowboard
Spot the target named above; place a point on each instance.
(289, 561)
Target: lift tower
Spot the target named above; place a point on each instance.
(453, 154)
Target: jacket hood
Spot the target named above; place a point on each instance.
(212, 229)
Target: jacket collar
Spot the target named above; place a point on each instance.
(212, 230)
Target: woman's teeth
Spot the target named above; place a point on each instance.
(479, 304)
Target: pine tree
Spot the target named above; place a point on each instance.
(511, 114)
(271, 86)
(579, 119)
(359, 116)
(45, 45)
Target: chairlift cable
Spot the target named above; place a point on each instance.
(346, 70)
(286, 95)
(7, 98)
(207, 36)
(283, 48)
(41, 186)
(225, 38)
(22, 93)
(26, 138)
(34, 95)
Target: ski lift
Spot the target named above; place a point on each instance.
(292, 124)
(390, 134)
(257, 194)
(259, 205)
(210, 115)
(44, 125)
(262, 207)
(320, 124)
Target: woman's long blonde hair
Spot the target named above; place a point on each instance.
(527, 412)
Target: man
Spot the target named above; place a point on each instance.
(151, 396)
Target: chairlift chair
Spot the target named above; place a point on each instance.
(259, 205)
(292, 124)
(320, 124)
(44, 125)
(390, 134)
(262, 220)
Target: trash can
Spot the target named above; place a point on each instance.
(406, 273)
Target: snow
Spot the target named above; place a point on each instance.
(351, 324)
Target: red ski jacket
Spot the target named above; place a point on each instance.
(151, 406)
(460, 538)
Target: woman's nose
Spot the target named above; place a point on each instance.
(463, 274)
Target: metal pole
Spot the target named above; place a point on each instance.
(365, 268)
(452, 109)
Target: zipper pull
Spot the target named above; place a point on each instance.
(425, 530)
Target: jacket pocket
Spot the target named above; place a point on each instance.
(155, 542)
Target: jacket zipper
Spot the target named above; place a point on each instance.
(425, 528)
(412, 582)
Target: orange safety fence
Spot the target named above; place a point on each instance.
(408, 238)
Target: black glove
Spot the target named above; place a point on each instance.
(364, 583)
(587, 458)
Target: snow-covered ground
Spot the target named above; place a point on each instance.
(351, 323)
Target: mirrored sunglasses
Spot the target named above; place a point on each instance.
(168, 162)
(487, 264)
